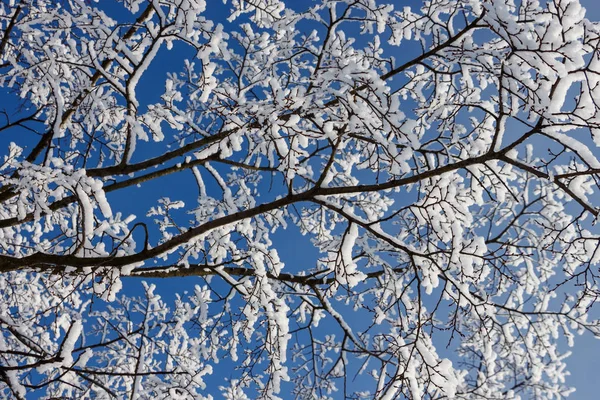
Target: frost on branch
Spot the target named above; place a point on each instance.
(275, 199)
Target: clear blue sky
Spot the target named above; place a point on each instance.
(585, 361)
(584, 364)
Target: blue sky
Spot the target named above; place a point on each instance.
(294, 249)
(585, 361)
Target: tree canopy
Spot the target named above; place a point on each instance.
(434, 165)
